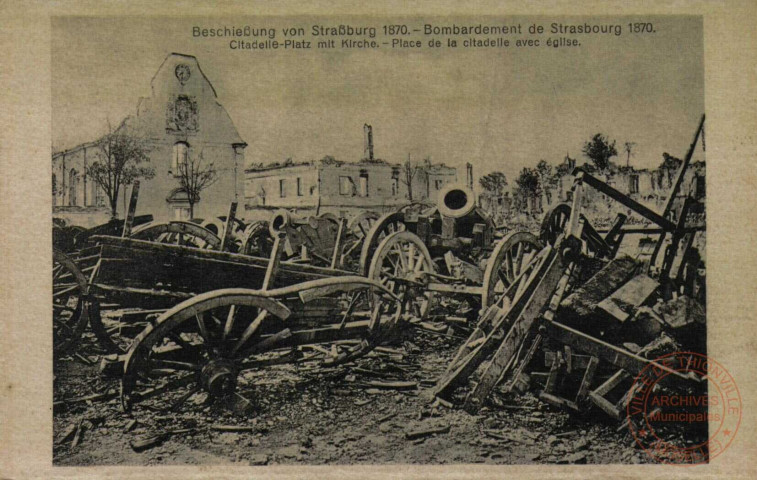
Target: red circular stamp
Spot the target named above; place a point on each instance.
(685, 409)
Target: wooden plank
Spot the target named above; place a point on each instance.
(678, 235)
(554, 371)
(617, 356)
(498, 318)
(129, 217)
(614, 236)
(134, 245)
(228, 227)
(517, 334)
(605, 405)
(580, 362)
(611, 383)
(613, 275)
(588, 377)
(339, 243)
(524, 362)
(625, 300)
(273, 262)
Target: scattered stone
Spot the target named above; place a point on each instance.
(259, 459)
(424, 432)
(292, 451)
(579, 457)
(490, 423)
(228, 438)
(130, 426)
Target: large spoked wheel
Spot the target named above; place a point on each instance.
(258, 241)
(69, 303)
(187, 234)
(204, 345)
(553, 223)
(507, 261)
(357, 232)
(402, 263)
(383, 227)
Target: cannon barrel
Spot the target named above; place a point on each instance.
(456, 201)
(279, 221)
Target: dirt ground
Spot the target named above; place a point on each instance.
(330, 416)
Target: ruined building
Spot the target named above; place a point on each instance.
(179, 121)
(342, 188)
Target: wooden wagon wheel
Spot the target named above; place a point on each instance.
(382, 227)
(257, 240)
(187, 234)
(506, 262)
(401, 263)
(357, 232)
(553, 223)
(201, 346)
(69, 303)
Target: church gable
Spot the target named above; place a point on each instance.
(183, 106)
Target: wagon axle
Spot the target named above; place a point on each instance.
(219, 377)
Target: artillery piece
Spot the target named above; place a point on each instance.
(447, 249)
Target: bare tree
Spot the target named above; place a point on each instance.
(409, 170)
(119, 162)
(194, 177)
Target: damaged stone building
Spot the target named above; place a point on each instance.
(342, 188)
(180, 120)
(649, 187)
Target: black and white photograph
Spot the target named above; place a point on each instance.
(373, 240)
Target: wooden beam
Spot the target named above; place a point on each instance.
(588, 377)
(630, 296)
(129, 217)
(617, 356)
(521, 326)
(228, 227)
(336, 255)
(273, 262)
(674, 190)
(497, 318)
(625, 200)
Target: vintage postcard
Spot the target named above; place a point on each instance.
(440, 242)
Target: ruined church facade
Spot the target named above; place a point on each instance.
(181, 121)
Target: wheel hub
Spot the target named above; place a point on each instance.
(219, 378)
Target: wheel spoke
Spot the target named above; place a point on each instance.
(202, 327)
(173, 384)
(249, 331)
(229, 321)
(175, 365)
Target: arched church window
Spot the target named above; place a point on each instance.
(73, 178)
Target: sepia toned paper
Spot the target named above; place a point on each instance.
(321, 109)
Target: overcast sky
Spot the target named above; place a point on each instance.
(500, 109)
